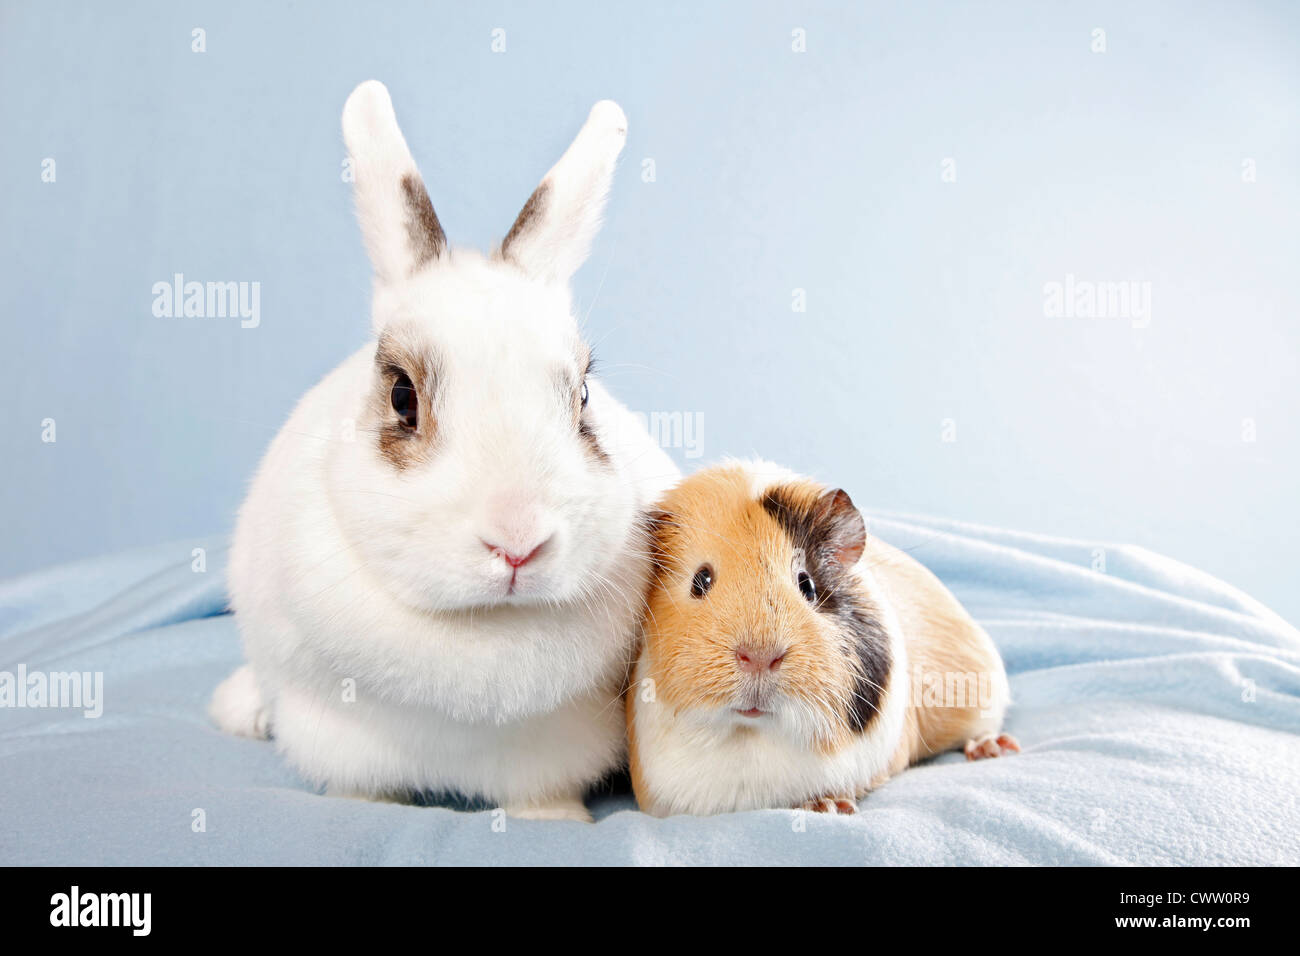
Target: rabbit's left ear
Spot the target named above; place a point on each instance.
(553, 233)
(401, 230)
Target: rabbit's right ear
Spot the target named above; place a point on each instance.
(553, 234)
(401, 230)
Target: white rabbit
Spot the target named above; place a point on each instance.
(439, 570)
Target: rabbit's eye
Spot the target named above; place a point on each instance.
(404, 400)
(702, 581)
(585, 394)
(807, 588)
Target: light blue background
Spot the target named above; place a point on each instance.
(775, 171)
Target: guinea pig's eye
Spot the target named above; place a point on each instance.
(807, 588)
(585, 394)
(404, 400)
(702, 581)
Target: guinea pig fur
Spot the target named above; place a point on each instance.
(791, 661)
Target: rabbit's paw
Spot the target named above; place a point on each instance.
(562, 808)
(237, 706)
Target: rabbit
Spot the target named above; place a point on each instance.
(789, 661)
(439, 568)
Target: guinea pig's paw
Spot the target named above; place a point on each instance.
(991, 745)
(831, 804)
(565, 808)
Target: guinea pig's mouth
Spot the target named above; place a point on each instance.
(756, 704)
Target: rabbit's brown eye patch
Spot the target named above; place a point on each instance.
(580, 399)
(404, 396)
(405, 401)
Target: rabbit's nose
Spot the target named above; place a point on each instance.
(516, 559)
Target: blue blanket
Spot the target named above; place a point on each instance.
(1158, 709)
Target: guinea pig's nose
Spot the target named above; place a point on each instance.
(753, 661)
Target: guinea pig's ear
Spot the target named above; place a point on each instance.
(553, 233)
(841, 527)
(401, 230)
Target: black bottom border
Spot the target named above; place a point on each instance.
(931, 906)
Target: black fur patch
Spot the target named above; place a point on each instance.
(820, 531)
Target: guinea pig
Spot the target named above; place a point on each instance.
(788, 660)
